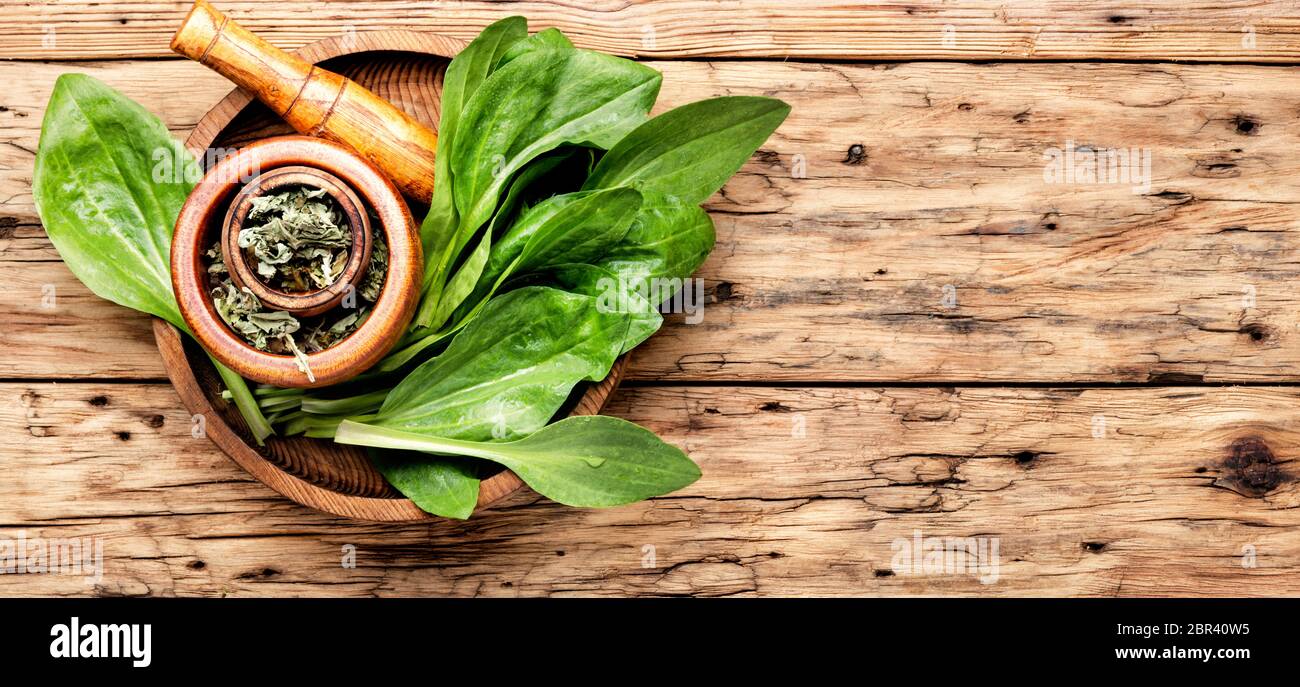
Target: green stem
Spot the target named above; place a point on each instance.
(276, 392)
(351, 405)
(324, 427)
(285, 416)
(400, 358)
(353, 432)
(269, 404)
(245, 402)
(296, 425)
(279, 403)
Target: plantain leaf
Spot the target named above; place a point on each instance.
(613, 294)
(594, 461)
(571, 228)
(557, 97)
(467, 275)
(109, 182)
(547, 39)
(462, 79)
(689, 152)
(464, 281)
(96, 192)
(443, 487)
(668, 240)
(510, 369)
(504, 376)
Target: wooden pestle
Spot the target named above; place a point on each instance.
(312, 100)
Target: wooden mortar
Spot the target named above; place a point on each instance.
(312, 100)
(199, 222)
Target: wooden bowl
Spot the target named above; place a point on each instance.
(404, 67)
(200, 219)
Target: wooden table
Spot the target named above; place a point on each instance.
(909, 330)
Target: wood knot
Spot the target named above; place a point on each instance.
(1250, 469)
(1025, 458)
(1245, 125)
(1257, 332)
(264, 573)
(723, 291)
(856, 155)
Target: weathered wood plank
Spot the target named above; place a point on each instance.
(1222, 30)
(805, 491)
(897, 227)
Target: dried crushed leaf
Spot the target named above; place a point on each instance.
(373, 282)
(299, 239)
(280, 332)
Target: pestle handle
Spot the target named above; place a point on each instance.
(314, 101)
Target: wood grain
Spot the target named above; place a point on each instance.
(1088, 491)
(896, 228)
(1192, 30)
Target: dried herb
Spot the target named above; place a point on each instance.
(299, 239)
(276, 331)
(373, 282)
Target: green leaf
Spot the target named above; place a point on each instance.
(448, 488)
(555, 98)
(669, 239)
(555, 173)
(463, 283)
(593, 461)
(575, 227)
(511, 368)
(571, 228)
(547, 39)
(505, 375)
(689, 152)
(613, 294)
(438, 233)
(109, 182)
(462, 79)
(442, 304)
(95, 189)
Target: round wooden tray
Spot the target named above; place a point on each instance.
(406, 68)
